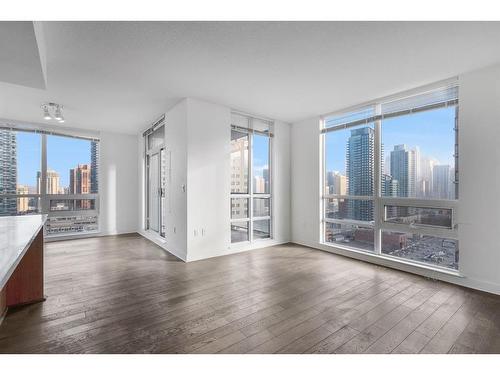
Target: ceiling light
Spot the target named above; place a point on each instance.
(46, 114)
(53, 111)
(58, 115)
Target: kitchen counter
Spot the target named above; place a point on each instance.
(21, 260)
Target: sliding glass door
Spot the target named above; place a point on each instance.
(155, 180)
(154, 193)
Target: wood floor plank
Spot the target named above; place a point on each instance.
(123, 294)
(444, 339)
(395, 336)
(285, 338)
(363, 343)
(332, 342)
(248, 343)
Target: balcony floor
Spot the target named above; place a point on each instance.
(123, 294)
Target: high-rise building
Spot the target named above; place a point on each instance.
(360, 172)
(386, 168)
(404, 168)
(94, 160)
(441, 181)
(8, 171)
(79, 183)
(336, 183)
(239, 163)
(22, 203)
(79, 179)
(259, 185)
(390, 186)
(424, 184)
(239, 173)
(329, 181)
(265, 175)
(52, 184)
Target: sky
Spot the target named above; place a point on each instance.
(260, 154)
(431, 131)
(63, 153)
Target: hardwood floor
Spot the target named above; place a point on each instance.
(123, 294)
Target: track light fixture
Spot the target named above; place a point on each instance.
(56, 109)
(46, 114)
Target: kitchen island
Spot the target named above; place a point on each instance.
(21, 261)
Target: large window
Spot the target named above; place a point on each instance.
(390, 182)
(250, 178)
(51, 174)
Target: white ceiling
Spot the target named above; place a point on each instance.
(21, 62)
(119, 76)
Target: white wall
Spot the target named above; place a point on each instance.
(281, 181)
(479, 168)
(208, 204)
(479, 202)
(305, 173)
(198, 134)
(209, 173)
(118, 185)
(176, 150)
(209, 182)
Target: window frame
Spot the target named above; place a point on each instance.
(45, 198)
(379, 224)
(161, 151)
(250, 195)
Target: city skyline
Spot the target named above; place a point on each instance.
(413, 149)
(20, 155)
(429, 131)
(406, 173)
(29, 151)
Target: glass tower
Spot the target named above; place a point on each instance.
(8, 171)
(360, 172)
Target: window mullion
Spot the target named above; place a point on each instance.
(250, 184)
(377, 161)
(44, 202)
(323, 180)
(270, 183)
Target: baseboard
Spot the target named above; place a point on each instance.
(161, 243)
(241, 249)
(79, 236)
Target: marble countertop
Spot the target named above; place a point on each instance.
(16, 235)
